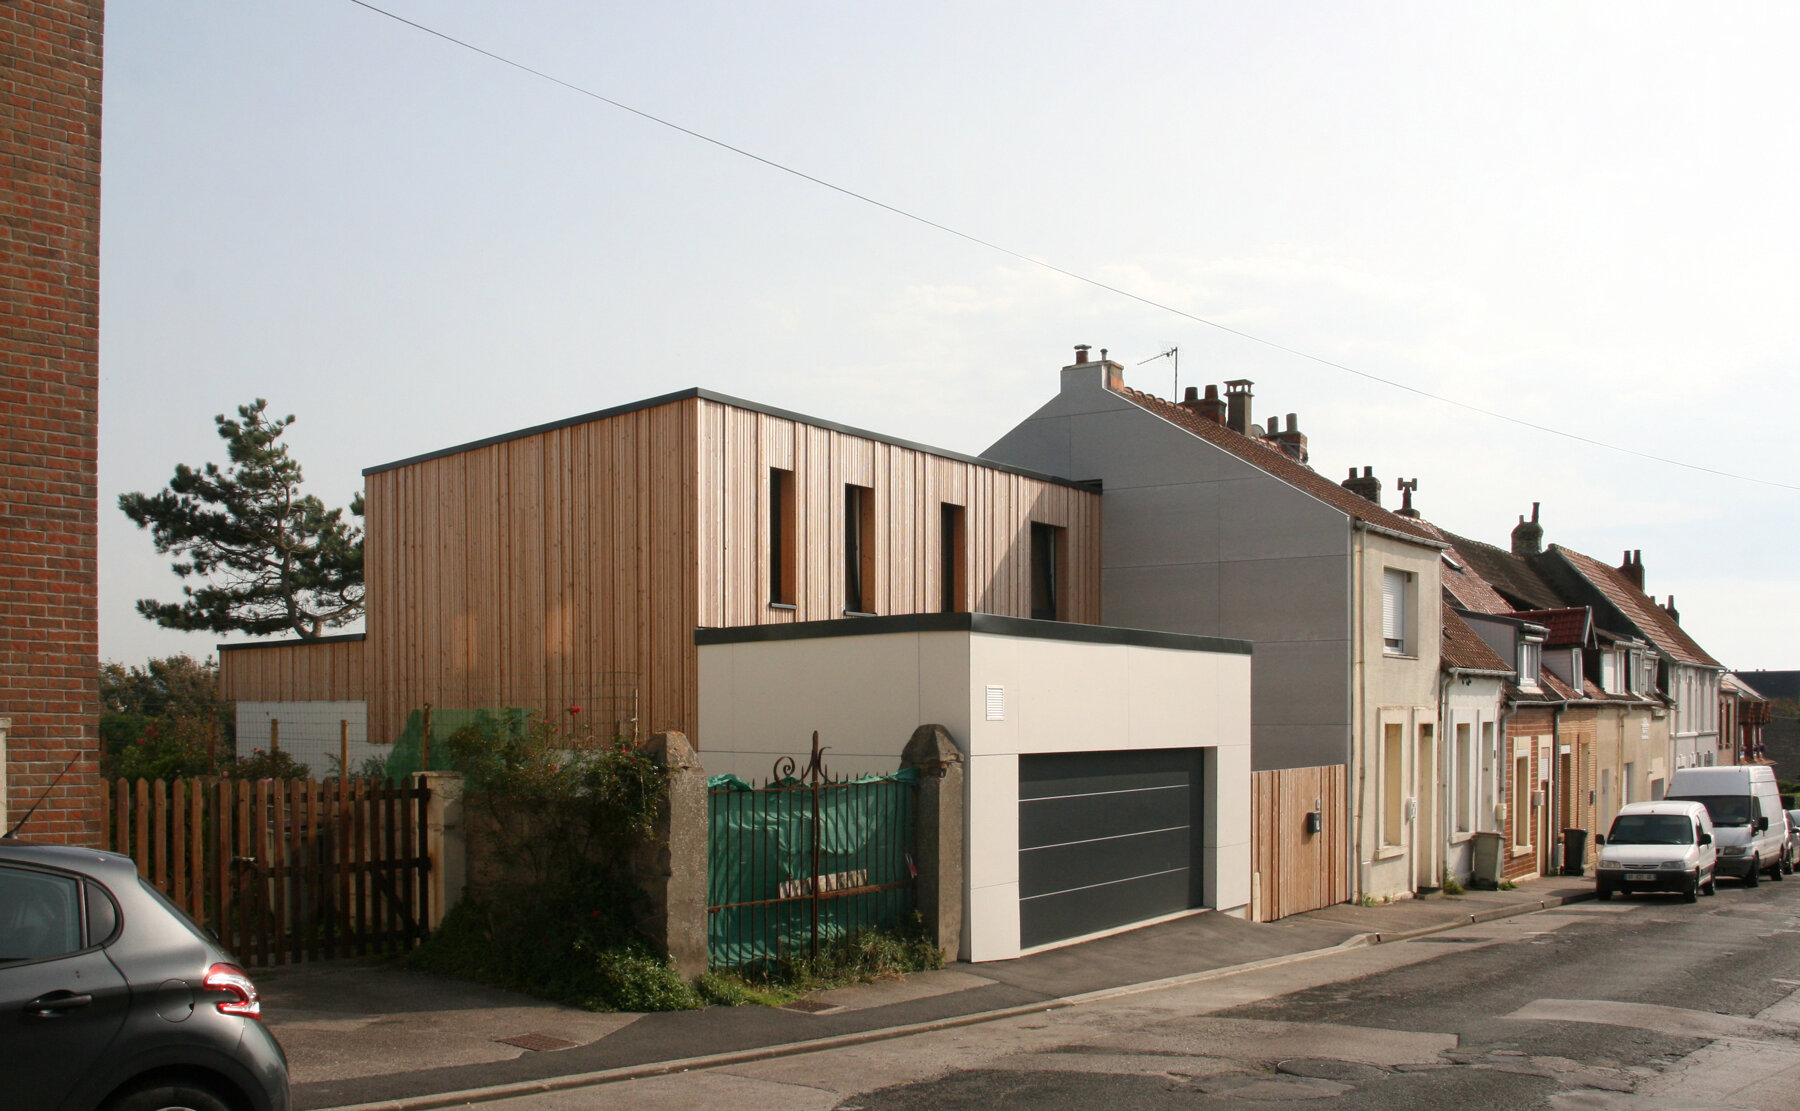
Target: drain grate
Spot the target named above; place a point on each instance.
(810, 1006)
(536, 1043)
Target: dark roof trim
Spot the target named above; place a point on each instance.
(707, 395)
(297, 642)
(1382, 530)
(971, 623)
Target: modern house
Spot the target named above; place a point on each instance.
(746, 576)
(1215, 526)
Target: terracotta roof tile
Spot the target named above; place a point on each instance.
(1567, 626)
(1513, 577)
(1649, 617)
(1276, 462)
(1462, 648)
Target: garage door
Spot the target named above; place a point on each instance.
(1106, 839)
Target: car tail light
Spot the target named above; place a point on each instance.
(233, 980)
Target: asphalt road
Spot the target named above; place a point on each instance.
(1622, 1005)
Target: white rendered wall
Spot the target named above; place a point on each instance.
(866, 694)
(309, 732)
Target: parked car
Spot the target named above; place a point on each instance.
(1658, 846)
(1745, 805)
(112, 1000)
(1793, 839)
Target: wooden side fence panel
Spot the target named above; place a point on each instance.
(283, 870)
(1294, 870)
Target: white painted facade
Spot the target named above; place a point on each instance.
(1065, 688)
(1474, 769)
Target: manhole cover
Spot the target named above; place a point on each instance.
(809, 1006)
(537, 1043)
(1323, 1068)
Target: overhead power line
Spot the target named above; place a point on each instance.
(1055, 269)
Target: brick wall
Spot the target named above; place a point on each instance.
(50, 52)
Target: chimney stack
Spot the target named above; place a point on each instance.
(1528, 536)
(1237, 401)
(1367, 486)
(1081, 350)
(1406, 486)
(1669, 608)
(1291, 440)
(1633, 568)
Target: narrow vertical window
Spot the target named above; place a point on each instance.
(1465, 773)
(859, 549)
(1521, 807)
(952, 545)
(1393, 785)
(1047, 559)
(782, 539)
(1393, 612)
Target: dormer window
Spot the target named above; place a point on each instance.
(1609, 672)
(1531, 661)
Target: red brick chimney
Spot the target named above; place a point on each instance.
(1633, 568)
(1365, 486)
(1211, 407)
(1528, 536)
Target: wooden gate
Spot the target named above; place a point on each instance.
(283, 870)
(1293, 869)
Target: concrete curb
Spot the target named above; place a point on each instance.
(470, 1096)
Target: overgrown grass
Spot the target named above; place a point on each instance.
(861, 958)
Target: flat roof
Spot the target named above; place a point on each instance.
(1092, 486)
(971, 623)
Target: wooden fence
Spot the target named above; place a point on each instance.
(283, 870)
(1292, 869)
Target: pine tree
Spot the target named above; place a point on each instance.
(271, 559)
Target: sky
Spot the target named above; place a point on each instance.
(1574, 216)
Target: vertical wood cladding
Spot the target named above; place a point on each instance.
(330, 670)
(50, 52)
(536, 570)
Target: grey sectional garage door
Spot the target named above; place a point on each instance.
(1106, 839)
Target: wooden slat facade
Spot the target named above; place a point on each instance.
(330, 670)
(547, 568)
(1295, 871)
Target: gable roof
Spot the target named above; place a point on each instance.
(1266, 457)
(1514, 578)
(1651, 619)
(1567, 626)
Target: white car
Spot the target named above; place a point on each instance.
(1658, 846)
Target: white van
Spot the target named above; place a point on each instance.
(1658, 846)
(1745, 806)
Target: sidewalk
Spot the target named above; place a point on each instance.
(372, 1033)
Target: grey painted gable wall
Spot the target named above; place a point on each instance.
(1196, 540)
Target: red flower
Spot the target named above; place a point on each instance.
(574, 709)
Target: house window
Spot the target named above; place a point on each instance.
(1609, 672)
(782, 542)
(1393, 784)
(1048, 555)
(859, 550)
(1531, 661)
(1465, 773)
(953, 546)
(1394, 611)
(1486, 818)
(1521, 798)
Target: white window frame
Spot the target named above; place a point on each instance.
(1531, 662)
(1396, 612)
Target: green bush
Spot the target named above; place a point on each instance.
(265, 765)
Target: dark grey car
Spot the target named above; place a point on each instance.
(112, 1000)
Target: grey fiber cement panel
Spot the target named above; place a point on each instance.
(1152, 525)
(1178, 597)
(1130, 447)
(1298, 746)
(1301, 683)
(1040, 444)
(1271, 520)
(1295, 599)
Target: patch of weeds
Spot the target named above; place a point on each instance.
(724, 988)
(1507, 885)
(1451, 887)
(862, 957)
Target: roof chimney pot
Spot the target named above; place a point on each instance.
(1528, 536)
(1365, 485)
(1237, 400)
(1081, 350)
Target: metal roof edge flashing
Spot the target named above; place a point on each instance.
(973, 623)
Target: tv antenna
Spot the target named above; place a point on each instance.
(1174, 355)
